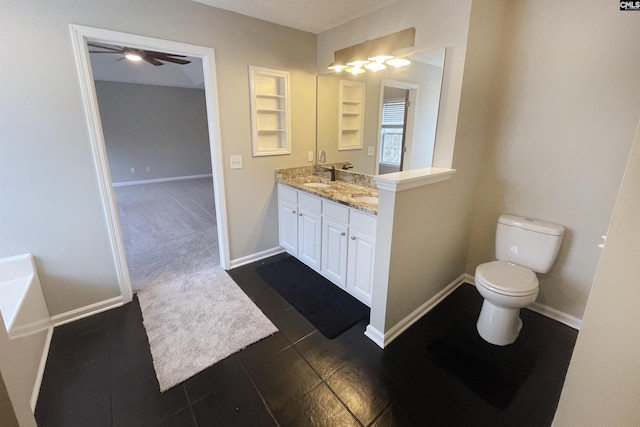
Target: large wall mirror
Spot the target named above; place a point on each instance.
(392, 117)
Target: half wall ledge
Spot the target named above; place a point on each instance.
(400, 181)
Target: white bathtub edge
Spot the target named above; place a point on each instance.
(43, 363)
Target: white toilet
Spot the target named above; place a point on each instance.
(523, 246)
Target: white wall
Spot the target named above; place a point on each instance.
(565, 106)
(164, 128)
(46, 163)
(603, 382)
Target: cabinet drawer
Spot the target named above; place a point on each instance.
(335, 212)
(363, 222)
(287, 194)
(309, 203)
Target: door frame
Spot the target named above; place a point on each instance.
(409, 124)
(79, 36)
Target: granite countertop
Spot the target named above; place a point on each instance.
(339, 191)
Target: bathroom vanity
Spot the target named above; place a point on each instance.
(330, 226)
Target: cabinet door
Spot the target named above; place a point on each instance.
(360, 265)
(309, 238)
(334, 251)
(288, 227)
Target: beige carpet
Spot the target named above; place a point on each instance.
(197, 320)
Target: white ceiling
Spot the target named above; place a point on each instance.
(314, 16)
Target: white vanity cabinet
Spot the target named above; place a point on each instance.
(300, 222)
(333, 239)
(335, 230)
(362, 243)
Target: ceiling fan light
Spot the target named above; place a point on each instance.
(375, 66)
(398, 62)
(133, 57)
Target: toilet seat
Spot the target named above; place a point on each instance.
(506, 278)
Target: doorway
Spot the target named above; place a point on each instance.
(81, 36)
(395, 131)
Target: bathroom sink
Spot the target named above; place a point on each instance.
(316, 184)
(366, 199)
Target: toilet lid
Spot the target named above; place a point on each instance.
(507, 278)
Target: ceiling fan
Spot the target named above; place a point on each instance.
(133, 54)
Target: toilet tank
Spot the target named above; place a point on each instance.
(528, 242)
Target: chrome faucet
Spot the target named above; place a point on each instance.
(332, 169)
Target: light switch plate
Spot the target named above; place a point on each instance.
(310, 156)
(235, 162)
(370, 150)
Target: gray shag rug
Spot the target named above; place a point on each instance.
(195, 321)
(194, 313)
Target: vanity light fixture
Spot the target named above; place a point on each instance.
(398, 62)
(356, 70)
(358, 63)
(379, 53)
(375, 66)
(337, 66)
(381, 58)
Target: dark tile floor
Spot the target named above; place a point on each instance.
(100, 373)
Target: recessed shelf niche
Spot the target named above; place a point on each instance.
(270, 117)
(350, 115)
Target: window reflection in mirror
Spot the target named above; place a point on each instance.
(400, 116)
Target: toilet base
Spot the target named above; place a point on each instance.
(499, 325)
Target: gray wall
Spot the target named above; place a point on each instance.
(164, 128)
(46, 163)
(609, 334)
(564, 110)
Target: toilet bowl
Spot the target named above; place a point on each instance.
(524, 247)
(506, 288)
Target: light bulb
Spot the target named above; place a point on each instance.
(398, 62)
(133, 57)
(375, 66)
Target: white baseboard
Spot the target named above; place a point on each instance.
(89, 310)
(43, 362)
(154, 181)
(238, 262)
(557, 315)
(382, 340)
(545, 310)
(375, 335)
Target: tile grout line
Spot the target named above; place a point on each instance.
(193, 415)
(264, 402)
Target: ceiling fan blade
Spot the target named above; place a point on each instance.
(175, 60)
(159, 54)
(111, 48)
(152, 61)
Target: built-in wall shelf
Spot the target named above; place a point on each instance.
(270, 111)
(351, 115)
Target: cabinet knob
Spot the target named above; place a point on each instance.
(353, 237)
(294, 212)
(343, 233)
(300, 214)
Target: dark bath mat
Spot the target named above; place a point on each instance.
(330, 309)
(495, 373)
